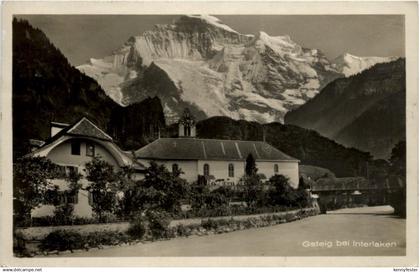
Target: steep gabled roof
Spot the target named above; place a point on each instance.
(86, 128)
(210, 149)
(83, 127)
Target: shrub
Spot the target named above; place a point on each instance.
(62, 240)
(63, 214)
(103, 181)
(19, 244)
(158, 223)
(98, 238)
(253, 189)
(137, 227)
(182, 230)
(209, 224)
(160, 189)
(70, 240)
(31, 181)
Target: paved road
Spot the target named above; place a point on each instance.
(347, 232)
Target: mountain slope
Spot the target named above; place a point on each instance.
(47, 88)
(214, 70)
(349, 65)
(379, 128)
(365, 111)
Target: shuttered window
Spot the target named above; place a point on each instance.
(231, 170)
(175, 168)
(206, 170)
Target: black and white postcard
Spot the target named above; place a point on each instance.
(278, 130)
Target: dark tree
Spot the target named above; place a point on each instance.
(103, 186)
(398, 159)
(31, 177)
(398, 173)
(250, 167)
(159, 190)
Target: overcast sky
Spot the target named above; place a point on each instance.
(81, 37)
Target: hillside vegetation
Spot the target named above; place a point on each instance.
(47, 88)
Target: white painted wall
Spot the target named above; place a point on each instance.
(220, 169)
(288, 169)
(81, 208)
(61, 155)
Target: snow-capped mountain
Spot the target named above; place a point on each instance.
(201, 63)
(349, 65)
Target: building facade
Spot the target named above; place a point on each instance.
(221, 162)
(71, 147)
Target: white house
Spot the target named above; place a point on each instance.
(71, 147)
(219, 161)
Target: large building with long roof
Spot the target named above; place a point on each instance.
(221, 162)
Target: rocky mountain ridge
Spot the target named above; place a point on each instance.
(214, 70)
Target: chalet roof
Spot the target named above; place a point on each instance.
(210, 149)
(83, 127)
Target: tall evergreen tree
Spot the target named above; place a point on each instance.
(250, 167)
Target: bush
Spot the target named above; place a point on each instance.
(70, 240)
(159, 190)
(182, 230)
(63, 214)
(19, 244)
(137, 227)
(98, 238)
(62, 240)
(158, 223)
(209, 224)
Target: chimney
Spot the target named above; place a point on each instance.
(57, 127)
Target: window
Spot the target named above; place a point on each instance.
(175, 168)
(71, 171)
(90, 150)
(206, 170)
(56, 198)
(231, 169)
(61, 171)
(90, 198)
(66, 171)
(75, 148)
(72, 198)
(276, 168)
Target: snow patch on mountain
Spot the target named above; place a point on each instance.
(350, 65)
(213, 21)
(103, 71)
